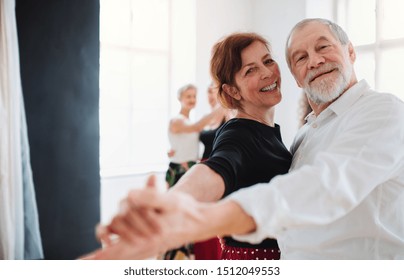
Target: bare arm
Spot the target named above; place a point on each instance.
(179, 126)
(202, 183)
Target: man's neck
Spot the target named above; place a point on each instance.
(318, 108)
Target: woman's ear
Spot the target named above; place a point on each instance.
(231, 91)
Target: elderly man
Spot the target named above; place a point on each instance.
(344, 195)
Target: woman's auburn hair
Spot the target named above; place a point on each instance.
(226, 62)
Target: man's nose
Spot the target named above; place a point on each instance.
(315, 60)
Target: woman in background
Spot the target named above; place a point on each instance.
(183, 136)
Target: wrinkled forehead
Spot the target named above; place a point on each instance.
(309, 33)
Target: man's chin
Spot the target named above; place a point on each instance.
(321, 98)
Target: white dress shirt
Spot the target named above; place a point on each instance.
(344, 195)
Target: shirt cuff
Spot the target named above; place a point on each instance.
(259, 209)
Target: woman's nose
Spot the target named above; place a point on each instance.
(266, 72)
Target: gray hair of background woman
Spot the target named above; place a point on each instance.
(182, 89)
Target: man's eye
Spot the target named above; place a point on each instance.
(300, 58)
(269, 61)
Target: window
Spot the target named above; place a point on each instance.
(375, 29)
(139, 43)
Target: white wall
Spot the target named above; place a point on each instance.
(321, 8)
(114, 189)
(214, 20)
(182, 48)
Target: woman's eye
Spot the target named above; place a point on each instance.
(250, 70)
(269, 61)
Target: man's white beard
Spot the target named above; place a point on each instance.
(328, 88)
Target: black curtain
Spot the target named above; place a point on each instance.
(59, 58)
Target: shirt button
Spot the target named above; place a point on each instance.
(314, 125)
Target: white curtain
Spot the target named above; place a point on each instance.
(19, 230)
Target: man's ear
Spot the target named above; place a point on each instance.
(351, 52)
(232, 91)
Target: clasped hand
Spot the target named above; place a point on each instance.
(148, 223)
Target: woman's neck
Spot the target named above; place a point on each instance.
(266, 117)
(185, 112)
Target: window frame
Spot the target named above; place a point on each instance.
(377, 47)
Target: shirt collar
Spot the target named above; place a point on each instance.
(345, 101)
(310, 117)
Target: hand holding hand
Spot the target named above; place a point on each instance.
(149, 223)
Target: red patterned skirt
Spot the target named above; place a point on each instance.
(239, 253)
